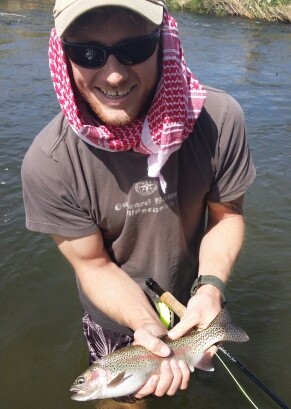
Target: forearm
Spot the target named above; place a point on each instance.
(112, 291)
(221, 246)
(219, 250)
(107, 286)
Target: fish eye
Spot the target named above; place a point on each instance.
(80, 380)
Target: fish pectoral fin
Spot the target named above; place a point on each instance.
(117, 380)
(205, 363)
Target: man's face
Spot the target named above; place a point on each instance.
(117, 93)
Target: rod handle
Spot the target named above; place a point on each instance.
(167, 298)
(175, 305)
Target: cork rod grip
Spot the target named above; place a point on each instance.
(166, 297)
(172, 302)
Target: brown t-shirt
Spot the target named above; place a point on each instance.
(72, 189)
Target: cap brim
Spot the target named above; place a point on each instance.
(147, 9)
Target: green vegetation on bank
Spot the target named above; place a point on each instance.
(271, 10)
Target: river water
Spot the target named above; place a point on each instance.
(41, 343)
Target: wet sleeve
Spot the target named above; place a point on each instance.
(234, 168)
(49, 197)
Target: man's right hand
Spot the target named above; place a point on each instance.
(174, 374)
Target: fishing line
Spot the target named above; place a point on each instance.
(236, 381)
(179, 310)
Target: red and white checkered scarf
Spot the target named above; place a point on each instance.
(177, 103)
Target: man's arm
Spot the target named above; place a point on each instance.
(118, 296)
(219, 250)
(105, 284)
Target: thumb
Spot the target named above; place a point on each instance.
(152, 343)
(179, 330)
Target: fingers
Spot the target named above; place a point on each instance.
(174, 375)
(149, 387)
(201, 310)
(145, 338)
(181, 328)
(186, 374)
(181, 377)
(170, 378)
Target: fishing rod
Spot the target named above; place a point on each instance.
(179, 309)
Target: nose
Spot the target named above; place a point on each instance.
(113, 72)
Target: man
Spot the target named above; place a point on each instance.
(125, 176)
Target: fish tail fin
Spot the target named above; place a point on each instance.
(231, 331)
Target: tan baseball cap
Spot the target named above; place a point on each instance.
(67, 11)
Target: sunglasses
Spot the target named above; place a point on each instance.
(129, 52)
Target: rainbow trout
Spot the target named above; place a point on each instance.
(126, 370)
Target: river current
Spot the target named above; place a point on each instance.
(41, 343)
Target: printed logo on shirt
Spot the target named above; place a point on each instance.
(151, 205)
(146, 187)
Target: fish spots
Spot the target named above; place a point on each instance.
(127, 369)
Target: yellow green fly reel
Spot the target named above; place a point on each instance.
(165, 313)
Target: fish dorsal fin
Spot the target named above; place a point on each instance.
(117, 380)
(205, 363)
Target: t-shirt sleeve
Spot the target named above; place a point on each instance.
(49, 199)
(234, 168)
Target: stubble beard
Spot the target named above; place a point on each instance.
(119, 118)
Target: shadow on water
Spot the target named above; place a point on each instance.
(41, 343)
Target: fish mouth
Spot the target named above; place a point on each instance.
(78, 397)
(75, 389)
(79, 390)
(81, 395)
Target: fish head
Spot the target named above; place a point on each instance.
(91, 384)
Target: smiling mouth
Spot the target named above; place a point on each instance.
(116, 94)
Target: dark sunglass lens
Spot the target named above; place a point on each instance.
(85, 55)
(130, 52)
(136, 51)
